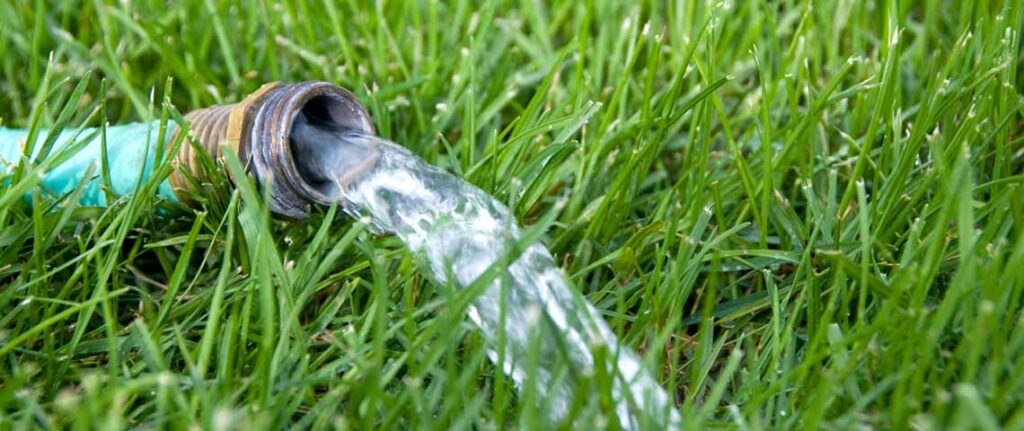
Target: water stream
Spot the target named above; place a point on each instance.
(457, 232)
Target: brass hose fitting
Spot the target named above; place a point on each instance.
(257, 129)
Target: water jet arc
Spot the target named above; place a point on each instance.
(313, 143)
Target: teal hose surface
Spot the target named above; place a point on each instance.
(131, 151)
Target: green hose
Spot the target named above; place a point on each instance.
(256, 129)
(131, 151)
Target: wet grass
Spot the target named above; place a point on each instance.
(803, 214)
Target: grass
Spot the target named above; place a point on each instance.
(803, 214)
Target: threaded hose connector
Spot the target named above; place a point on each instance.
(258, 131)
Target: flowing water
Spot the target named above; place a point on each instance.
(457, 232)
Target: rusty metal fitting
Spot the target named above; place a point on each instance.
(257, 130)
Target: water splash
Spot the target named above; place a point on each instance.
(458, 232)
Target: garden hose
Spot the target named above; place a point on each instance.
(257, 130)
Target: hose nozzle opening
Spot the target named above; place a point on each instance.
(260, 130)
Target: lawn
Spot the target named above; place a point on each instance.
(802, 214)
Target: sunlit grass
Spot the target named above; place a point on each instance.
(803, 214)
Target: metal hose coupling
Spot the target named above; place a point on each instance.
(257, 130)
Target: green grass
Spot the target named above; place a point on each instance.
(803, 214)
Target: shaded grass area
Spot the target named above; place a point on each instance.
(801, 213)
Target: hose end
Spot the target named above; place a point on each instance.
(257, 130)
